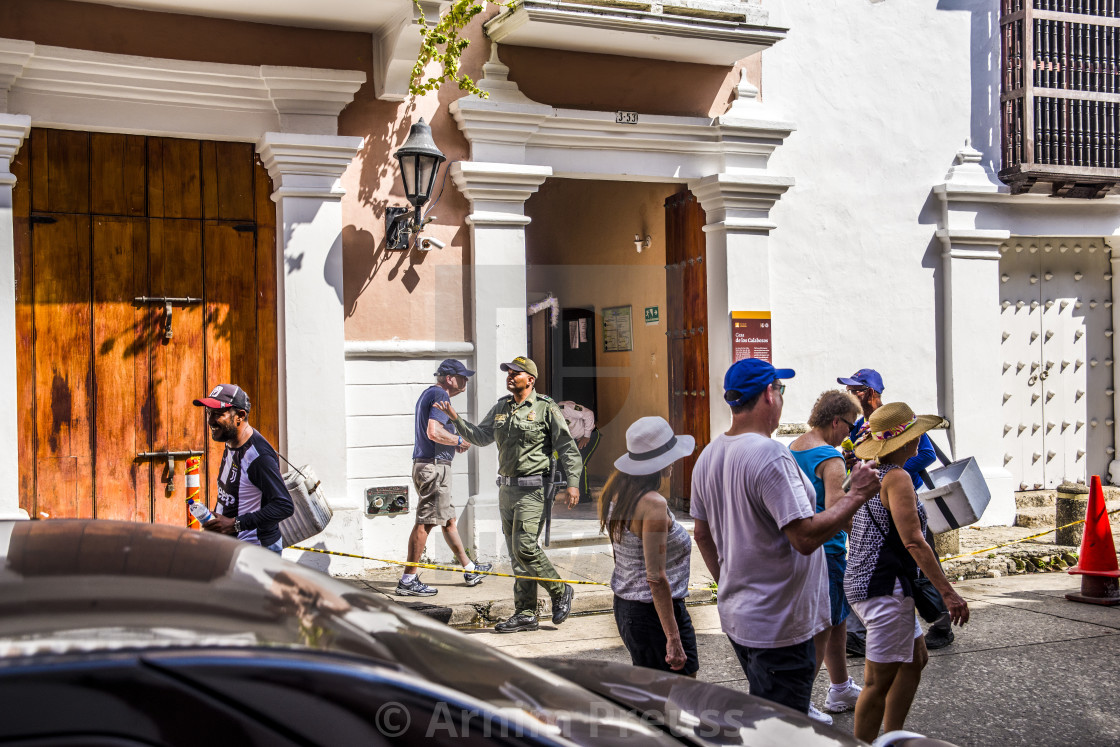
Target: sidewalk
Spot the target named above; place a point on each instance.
(492, 600)
(579, 553)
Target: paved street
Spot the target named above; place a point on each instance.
(1031, 667)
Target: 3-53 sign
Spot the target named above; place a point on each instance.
(626, 117)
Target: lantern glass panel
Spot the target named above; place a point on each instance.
(426, 177)
(408, 174)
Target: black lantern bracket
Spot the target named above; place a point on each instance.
(400, 225)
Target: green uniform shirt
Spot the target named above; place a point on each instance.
(526, 435)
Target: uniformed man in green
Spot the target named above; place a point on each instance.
(527, 427)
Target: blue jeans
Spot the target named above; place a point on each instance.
(782, 675)
(276, 546)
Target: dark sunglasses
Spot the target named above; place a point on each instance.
(780, 387)
(858, 389)
(845, 422)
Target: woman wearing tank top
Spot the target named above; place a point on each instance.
(886, 547)
(651, 550)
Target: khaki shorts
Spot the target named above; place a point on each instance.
(891, 626)
(433, 485)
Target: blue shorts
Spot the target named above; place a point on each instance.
(837, 565)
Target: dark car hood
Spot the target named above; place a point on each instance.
(700, 712)
(103, 586)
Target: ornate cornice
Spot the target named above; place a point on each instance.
(307, 165)
(511, 128)
(498, 191)
(740, 201)
(72, 87)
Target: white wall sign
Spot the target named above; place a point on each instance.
(626, 117)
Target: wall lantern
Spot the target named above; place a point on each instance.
(640, 243)
(420, 159)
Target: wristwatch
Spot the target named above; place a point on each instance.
(237, 525)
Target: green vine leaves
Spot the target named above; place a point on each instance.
(444, 44)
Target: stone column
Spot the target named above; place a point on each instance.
(973, 395)
(14, 128)
(738, 261)
(497, 194)
(305, 171)
(1113, 244)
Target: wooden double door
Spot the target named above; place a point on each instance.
(145, 275)
(687, 330)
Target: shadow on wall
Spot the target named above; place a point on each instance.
(984, 63)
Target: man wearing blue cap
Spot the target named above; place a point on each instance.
(761, 538)
(435, 446)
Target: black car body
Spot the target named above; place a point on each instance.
(119, 633)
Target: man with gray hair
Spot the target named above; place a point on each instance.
(435, 446)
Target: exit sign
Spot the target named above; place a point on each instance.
(653, 315)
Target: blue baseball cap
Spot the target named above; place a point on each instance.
(864, 377)
(452, 367)
(749, 377)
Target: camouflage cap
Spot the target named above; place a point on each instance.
(521, 363)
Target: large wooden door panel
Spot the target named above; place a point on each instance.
(174, 178)
(118, 175)
(123, 331)
(63, 377)
(230, 313)
(177, 363)
(102, 220)
(60, 171)
(687, 329)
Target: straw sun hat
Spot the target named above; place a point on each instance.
(651, 446)
(891, 427)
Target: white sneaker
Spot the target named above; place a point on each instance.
(816, 715)
(842, 698)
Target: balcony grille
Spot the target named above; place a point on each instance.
(1060, 95)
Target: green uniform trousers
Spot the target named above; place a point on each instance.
(522, 511)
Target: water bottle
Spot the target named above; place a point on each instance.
(199, 511)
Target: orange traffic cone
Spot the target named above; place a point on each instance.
(1100, 575)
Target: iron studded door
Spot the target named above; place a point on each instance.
(1057, 350)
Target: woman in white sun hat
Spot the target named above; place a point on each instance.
(651, 550)
(886, 547)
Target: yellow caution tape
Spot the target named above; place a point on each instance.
(454, 568)
(1023, 539)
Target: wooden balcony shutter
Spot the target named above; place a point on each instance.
(1060, 95)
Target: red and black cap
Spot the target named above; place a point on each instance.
(224, 396)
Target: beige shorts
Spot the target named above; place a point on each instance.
(891, 627)
(433, 486)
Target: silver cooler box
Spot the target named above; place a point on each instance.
(312, 513)
(958, 497)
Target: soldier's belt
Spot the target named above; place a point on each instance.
(528, 481)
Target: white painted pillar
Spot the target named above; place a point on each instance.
(973, 392)
(971, 327)
(1113, 244)
(14, 128)
(738, 261)
(305, 171)
(497, 194)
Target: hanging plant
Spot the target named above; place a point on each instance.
(444, 44)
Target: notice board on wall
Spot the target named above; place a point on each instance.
(750, 335)
(618, 333)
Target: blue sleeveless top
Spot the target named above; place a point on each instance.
(808, 461)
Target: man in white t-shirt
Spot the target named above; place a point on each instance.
(761, 539)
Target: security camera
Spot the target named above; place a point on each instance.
(427, 243)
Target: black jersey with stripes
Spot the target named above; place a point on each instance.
(251, 489)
